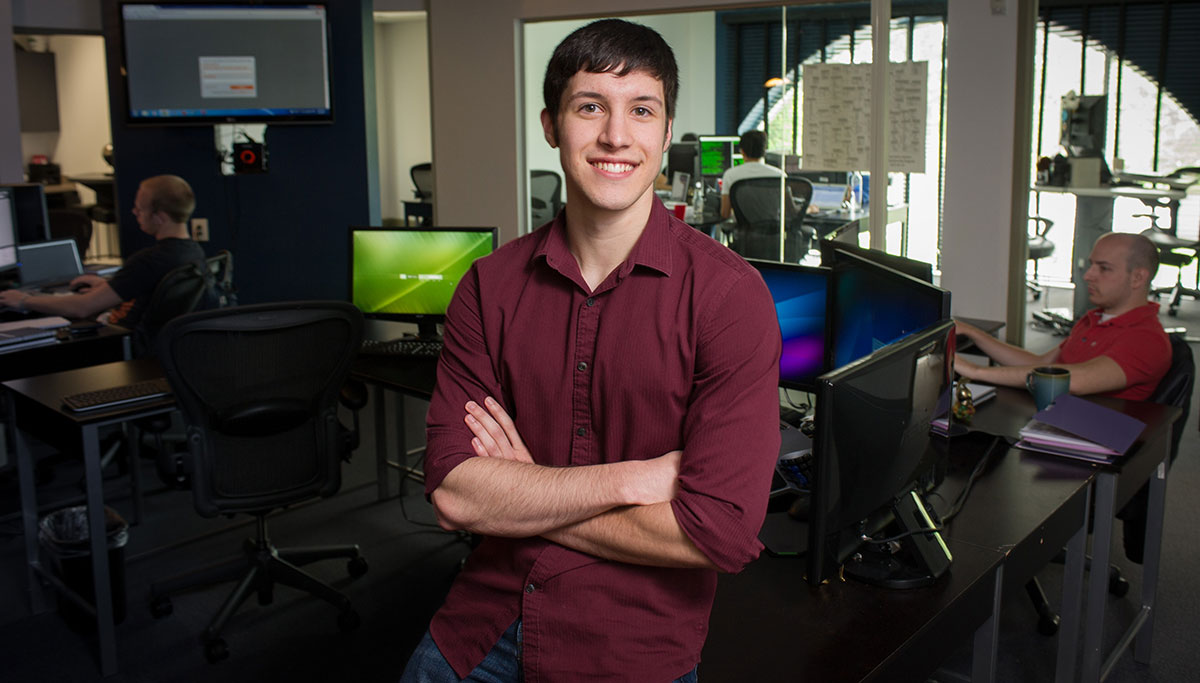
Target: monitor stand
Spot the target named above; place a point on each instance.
(915, 560)
(426, 331)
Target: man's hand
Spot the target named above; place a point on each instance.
(13, 298)
(496, 436)
(87, 281)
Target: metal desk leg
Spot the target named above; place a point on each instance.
(1151, 559)
(987, 638)
(29, 518)
(381, 459)
(1072, 601)
(1097, 591)
(134, 439)
(101, 577)
(401, 441)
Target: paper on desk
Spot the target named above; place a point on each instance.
(49, 322)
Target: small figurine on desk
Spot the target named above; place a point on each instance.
(964, 403)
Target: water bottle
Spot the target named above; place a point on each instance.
(856, 181)
(698, 200)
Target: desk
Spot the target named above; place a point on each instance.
(1112, 487)
(1093, 218)
(409, 377)
(422, 210)
(41, 397)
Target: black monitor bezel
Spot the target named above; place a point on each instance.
(20, 199)
(12, 222)
(830, 251)
(424, 321)
(827, 348)
(323, 118)
(826, 529)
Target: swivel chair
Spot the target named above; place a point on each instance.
(1039, 248)
(258, 388)
(545, 192)
(422, 207)
(1174, 389)
(1174, 252)
(756, 209)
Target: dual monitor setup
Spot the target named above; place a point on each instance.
(24, 221)
(872, 338)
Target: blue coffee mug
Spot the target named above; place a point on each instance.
(1047, 384)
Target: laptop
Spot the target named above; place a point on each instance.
(49, 265)
(827, 197)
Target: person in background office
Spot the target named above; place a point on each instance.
(639, 362)
(754, 148)
(1118, 349)
(162, 208)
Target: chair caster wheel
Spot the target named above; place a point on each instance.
(1048, 625)
(161, 607)
(1118, 586)
(357, 567)
(348, 621)
(215, 650)
(1172, 312)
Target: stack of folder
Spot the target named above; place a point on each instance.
(1076, 428)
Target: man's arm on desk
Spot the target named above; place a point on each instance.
(1095, 376)
(1002, 352)
(85, 304)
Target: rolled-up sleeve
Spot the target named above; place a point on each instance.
(731, 438)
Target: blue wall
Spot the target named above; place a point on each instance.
(287, 229)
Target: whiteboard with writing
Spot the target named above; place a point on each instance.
(837, 116)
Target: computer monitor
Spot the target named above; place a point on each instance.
(874, 306)
(8, 234)
(29, 211)
(683, 157)
(872, 460)
(409, 274)
(1084, 124)
(831, 251)
(226, 62)
(718, 153)
(801, 295)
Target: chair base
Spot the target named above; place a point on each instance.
(258, 569)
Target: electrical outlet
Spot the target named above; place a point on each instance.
(200, 229)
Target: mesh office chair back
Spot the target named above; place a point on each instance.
(422, 179)
(756, 208)
(545, 189)
(258, 387)
(181, 291)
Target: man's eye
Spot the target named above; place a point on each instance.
(641, 111)
(590, 108)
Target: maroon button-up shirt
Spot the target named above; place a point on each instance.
(677, 349)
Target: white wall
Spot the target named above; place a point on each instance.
(690, 36)
(402, 96)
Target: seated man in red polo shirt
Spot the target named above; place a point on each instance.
(1118, 349)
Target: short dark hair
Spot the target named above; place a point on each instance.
(754, 144)
(611, 45)
(172, 195)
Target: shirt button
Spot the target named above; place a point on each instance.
(591, 301)
(581, 367)
(529, 588)
(582, 431)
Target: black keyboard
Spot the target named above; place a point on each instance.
(107, 398)
(419, 348)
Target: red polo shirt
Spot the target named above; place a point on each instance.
(677, 349)
(1135, 340)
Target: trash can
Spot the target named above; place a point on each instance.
(64, 536)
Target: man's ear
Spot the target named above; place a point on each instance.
(1139, 278)
(548, 128)
(667, 140)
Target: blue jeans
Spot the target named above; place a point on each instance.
(501, 665)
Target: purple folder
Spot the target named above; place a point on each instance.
(1093, 422)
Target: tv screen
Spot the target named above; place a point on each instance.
(874, 306)
(801, 295)
(871, 455)
(8, 233)
(226, 63)
(409, 274)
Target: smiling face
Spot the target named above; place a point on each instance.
(611, 132)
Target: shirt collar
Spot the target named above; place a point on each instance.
(1129, 318)
(653, 248)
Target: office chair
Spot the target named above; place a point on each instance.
(756, 207)
(1039, 248)
(545, 191)
(1174, 252)
(71, 224)
(220, 267)
(1174, 389)
(180, 291)
(422, 179)
(258, 387)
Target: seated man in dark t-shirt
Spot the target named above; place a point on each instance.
(162, 208)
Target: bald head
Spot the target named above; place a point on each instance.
(1139, 251)
(171, 195)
